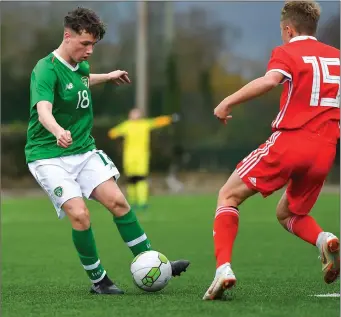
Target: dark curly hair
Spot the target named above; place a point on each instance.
(82, 19)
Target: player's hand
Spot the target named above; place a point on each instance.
(175, 117)
(64, 138)
(119, 77)
(222, 112)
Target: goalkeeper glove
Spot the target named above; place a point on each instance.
(175, 117)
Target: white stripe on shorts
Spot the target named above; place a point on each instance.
(252, 160)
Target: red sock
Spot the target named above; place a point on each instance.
(224, 233)
(305, 227)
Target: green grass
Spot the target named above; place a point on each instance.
(276, 272)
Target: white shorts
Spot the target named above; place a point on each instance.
(71, 176)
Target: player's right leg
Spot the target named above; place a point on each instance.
(256, 173)
(66, 196)
(226, 220)
(85, 245)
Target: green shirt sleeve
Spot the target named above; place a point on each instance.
(87, 67)
(43, 82)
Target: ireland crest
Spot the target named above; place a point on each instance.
(58, 191)
(85, 81)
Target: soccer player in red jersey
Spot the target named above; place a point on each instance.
(299, 153)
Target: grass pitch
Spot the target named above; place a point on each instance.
(276, 272)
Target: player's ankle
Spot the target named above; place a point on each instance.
(223, 266)
(105, 281)
(320, 239)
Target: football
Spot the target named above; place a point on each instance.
(151, 271)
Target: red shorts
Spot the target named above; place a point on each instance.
(297, 158)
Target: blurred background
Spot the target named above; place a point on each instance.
(194, 54)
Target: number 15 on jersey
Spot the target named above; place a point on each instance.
(327, 78)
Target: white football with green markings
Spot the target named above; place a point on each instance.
(151, 271)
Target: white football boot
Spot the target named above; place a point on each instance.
(224, 279)
(329, 246)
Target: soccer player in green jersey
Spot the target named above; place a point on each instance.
(62, 155)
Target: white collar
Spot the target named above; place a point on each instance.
(302, 37)
(63, 61)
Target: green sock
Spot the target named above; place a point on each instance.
(132, 233)
(86, 247)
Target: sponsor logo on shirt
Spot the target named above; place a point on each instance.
(69, 86)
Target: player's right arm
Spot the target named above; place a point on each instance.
(46, 118)
(43, 82)
(118, 131)
(278, 72)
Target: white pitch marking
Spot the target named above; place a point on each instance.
(327, 295)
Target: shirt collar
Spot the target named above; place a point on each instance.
(63, 61)
(302, 37)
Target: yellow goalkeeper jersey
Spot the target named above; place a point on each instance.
(136, 134)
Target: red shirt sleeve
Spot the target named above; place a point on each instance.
(280, 61)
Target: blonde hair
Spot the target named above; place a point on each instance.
(303, 15)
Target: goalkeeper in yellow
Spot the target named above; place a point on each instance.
(136, 152)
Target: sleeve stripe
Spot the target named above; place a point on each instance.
(280, 71)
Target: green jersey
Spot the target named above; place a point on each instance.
(67, 88)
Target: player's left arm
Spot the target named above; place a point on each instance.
(163, 121)
(118, 77)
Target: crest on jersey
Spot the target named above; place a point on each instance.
(85, 81)
(58, 191)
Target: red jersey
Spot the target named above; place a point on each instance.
(311, 93)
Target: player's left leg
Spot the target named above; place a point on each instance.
(292, 213)
(97, 182)
(302, 192)
(110, 196)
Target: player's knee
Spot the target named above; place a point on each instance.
(118, 205)
(228, 197)
(282, 214)
(281, 219)
(79, 216)
(82, 218)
